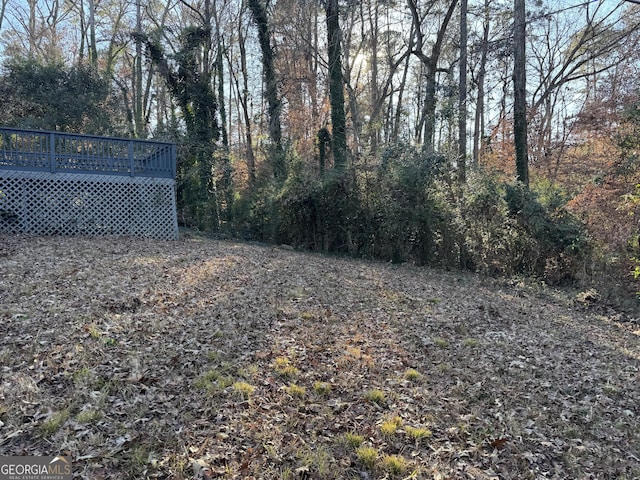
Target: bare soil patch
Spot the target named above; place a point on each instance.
(205, 359)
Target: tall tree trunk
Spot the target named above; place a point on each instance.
(226, 180)
(399, 106)
(336, 86)
(354, 106)
(375, 125)
(221, 101)
(430, 63)
(462, 104)
(93, 49)
(244, 102)
(3, 8)
(137, 76)
(32, 28)
(520, 92)
(83, 31)
(259, 12)
(478, 127)
(429, 106)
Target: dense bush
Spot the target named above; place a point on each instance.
(507, 230)
(53, 96)
(408, 208)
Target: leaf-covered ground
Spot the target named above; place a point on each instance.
(205, 359)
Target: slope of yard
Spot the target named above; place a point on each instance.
(204, 359)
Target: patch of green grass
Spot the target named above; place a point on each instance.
(286, 474)
(212, 380)
(251, 371)
(52, 424)
(93, 330)
(243, 389)
(218, 334)
(412, 375)
(137, 458)
(375, 396)
(441, 342)
(214, 355)
(470, 342)
(284, 368)
(390, 426)
(321, 388)
(82, 377)
(417, 433)
(295, 390)
(316, 459)
(443, 368)
(368, 456)
(90, 415)
(395, 464)
(5, 354)
(353, 440)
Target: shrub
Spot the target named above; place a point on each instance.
(557, 241)
(506, 230)
(408, 209)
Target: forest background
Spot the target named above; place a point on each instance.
(377, 128)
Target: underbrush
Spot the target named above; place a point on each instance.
(408, 207)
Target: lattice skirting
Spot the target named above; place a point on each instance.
(72, 204)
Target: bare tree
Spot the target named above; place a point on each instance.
(3, 8)
(564, 52)
(462, 100)
(430, 62)
(33, 29)
(483, 47)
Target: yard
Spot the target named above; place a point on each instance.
(206, 359)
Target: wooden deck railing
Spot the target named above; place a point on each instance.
(36, 150)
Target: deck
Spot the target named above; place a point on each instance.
(36, 150)
(54, 183)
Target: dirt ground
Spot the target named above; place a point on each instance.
(206, 359)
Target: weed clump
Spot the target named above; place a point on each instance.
(243, 389)
(295, 390)
(375, 396)
(390, 426)
(417, 433)
(368, 456)
(395, 464)
(441, 342)
(321, 388)
(412, 375)
(54, 423)
(284, 368)
(353, 440)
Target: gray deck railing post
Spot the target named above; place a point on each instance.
(172, 160)
(131, 160)
(52, 152)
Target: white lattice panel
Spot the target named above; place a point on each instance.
(72, 204)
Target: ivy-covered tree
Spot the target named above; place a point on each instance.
(520, 92)
(276, 153)
(190, 84)
(336, 85)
